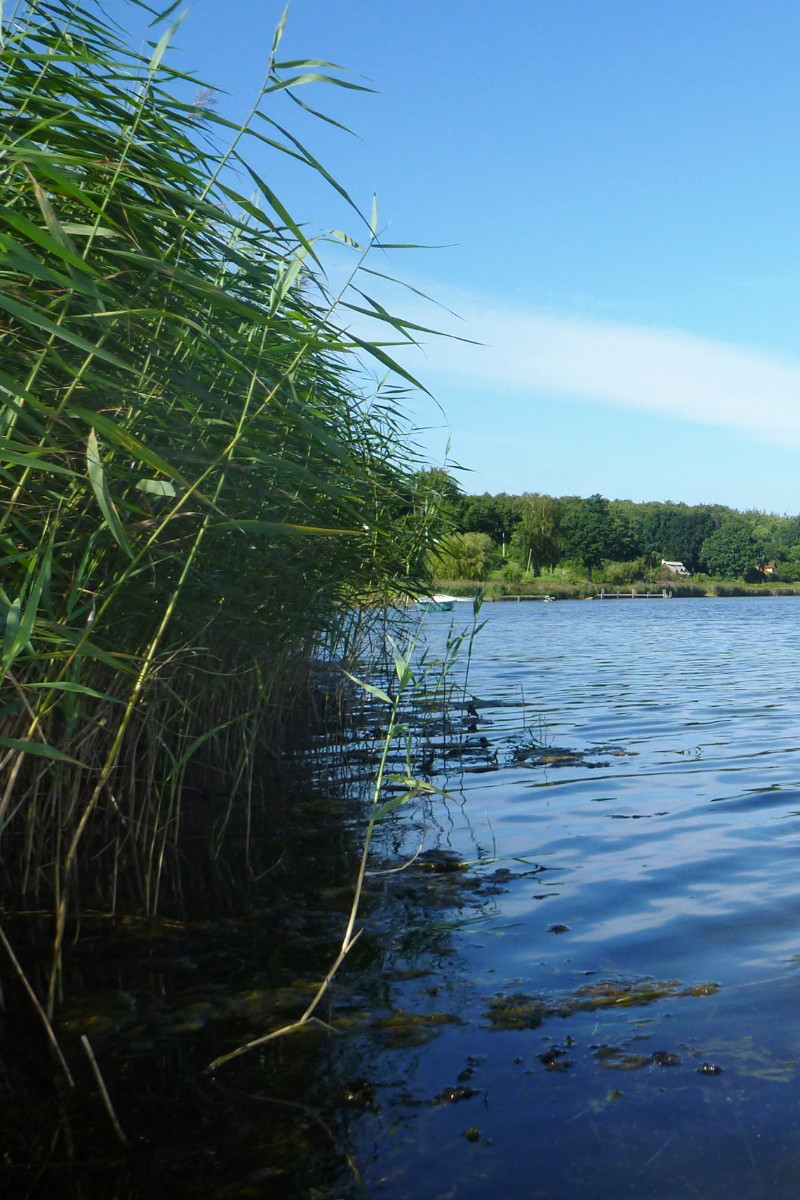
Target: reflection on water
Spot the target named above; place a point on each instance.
(627, 990)
(579, 974)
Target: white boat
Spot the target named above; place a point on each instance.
(436, 603)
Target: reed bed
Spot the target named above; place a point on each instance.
(196, 477)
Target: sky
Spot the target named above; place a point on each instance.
(611, 193)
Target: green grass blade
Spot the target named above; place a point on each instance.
(97, 478)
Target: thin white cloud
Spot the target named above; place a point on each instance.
(661, 371)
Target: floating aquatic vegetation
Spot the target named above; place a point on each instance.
(473, 1062)
(533, 753)
(404, 974)
(666, 1058)
(522, 1011)
(618, 1059)
(752, 1057)
(452, 1095)
(623, 994)
(440, 861)
(700, 989)
(121, 1013)
(357, 1093)
(518, 1011)
(405, 1029)
(405, 1020)
(554, 1059)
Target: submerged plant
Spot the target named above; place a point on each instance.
(380, 808)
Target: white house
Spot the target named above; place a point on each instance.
(675, 568)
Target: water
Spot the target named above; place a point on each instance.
(602, 1003)
(651, 1046)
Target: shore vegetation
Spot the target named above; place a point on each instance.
(572, 546)
(202, 470)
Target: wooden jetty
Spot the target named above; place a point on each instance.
(664, 594)
(545, 599)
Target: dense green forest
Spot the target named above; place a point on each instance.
(508, 537)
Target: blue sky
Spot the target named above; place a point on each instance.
(617, 183)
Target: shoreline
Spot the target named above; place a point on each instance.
(497, 591)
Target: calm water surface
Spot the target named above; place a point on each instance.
(670, 851)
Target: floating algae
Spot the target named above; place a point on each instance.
(522, 1011)
(413, 1029)
(518, 1011)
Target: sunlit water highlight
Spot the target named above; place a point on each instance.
(672, 854)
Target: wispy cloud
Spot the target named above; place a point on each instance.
(662, 371)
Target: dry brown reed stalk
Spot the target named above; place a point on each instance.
(101, 1083)
(34, 999)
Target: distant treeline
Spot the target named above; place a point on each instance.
(531, 532)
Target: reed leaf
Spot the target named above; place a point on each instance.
(197, 479)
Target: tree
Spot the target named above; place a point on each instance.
(787, 536)
(495, 515)
(734, 550)
(677, 533)
(462, 556)
(788, 568)
(536, 540)
(590, 532)
(625, 546)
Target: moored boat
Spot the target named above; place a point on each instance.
(436, 603)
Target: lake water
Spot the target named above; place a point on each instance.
(579, 971)
(614, 982)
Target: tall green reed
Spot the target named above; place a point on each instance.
(195, 478)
